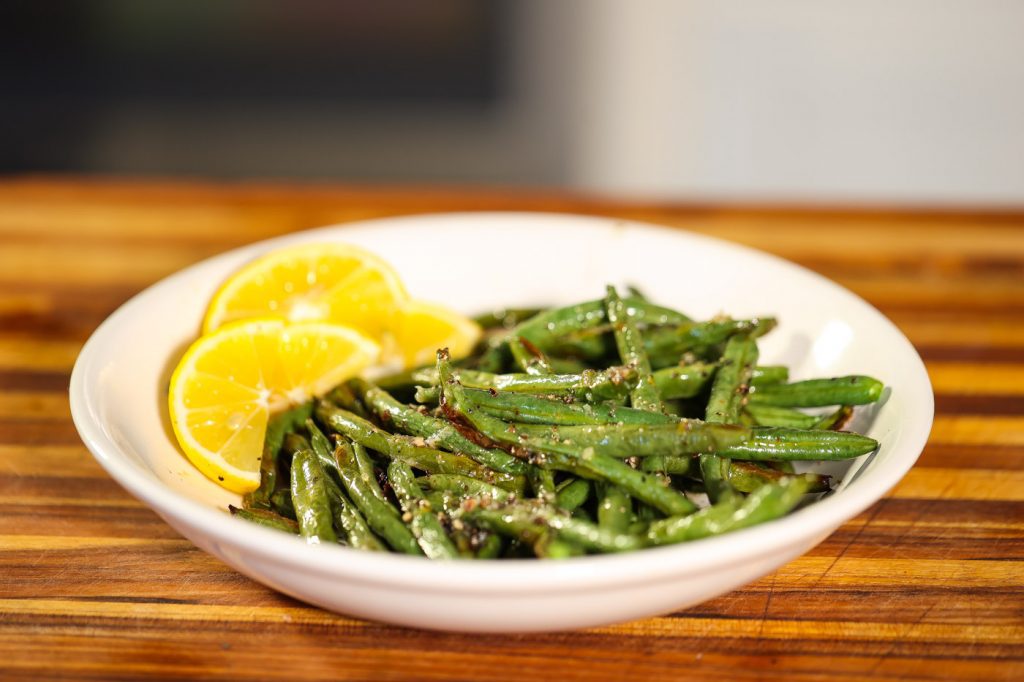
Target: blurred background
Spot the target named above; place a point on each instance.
(905, 102)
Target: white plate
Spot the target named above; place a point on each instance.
(478, 262)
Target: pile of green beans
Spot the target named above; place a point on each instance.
(607, 426)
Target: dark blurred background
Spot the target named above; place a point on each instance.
(908, 101)
(383, 90)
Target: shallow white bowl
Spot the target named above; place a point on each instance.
(478, 262)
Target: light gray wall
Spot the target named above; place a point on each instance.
(902, 101)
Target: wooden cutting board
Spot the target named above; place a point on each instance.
(926, 584)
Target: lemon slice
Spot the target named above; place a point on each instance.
(228, 383)
(422, 328)
(337, 283)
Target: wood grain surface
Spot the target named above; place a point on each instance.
(926, 584)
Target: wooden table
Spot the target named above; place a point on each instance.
(927, 584)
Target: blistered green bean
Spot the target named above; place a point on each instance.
(312, 503)
(850, 390)
(383, 518)
(747, 477)
(728, 392)
(277, 427)
(418, 514)
(770, 415)
(266, 518)
(539, 522)
(573, 495)
(462, 486)
(614, 508)
(733, 513)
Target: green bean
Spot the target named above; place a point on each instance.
(277, 427)
(422, 520)
(357, 531)
(268, 519)
(768, 443)
(645, 513)
(545, 328)
(383, 518)
(614, 509)
(563, 549)
(769, 374)
(630, 344)
(683, 381)
(367, 469)
(293, 442)
(567, 365)
(473, 542)
(539, 536)
(530, 359)
(347, 516)
(427, 395)
(344, 396)
(533, 409)
(834, 421)
(769, 415)
(674, 464)
(680, 437)
(321, 447)
(728, 391)
(733, 513)
(444, 501)
(529, 519)
(747, 477)
(396, 447)
(463, 486)
(281, 503)
(490, 547)
(646, 397)
(309, 495)
(608, 384)
(643, 486)
(542, 481)
(582, 514)
(849, 390)
(664, 346)
(715, 472)
(395, 381)
(732, 380)
(495, 357)
(574, 494)
(325, 453)
(435, 431)
(672, 383)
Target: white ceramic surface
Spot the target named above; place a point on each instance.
(476, 262)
